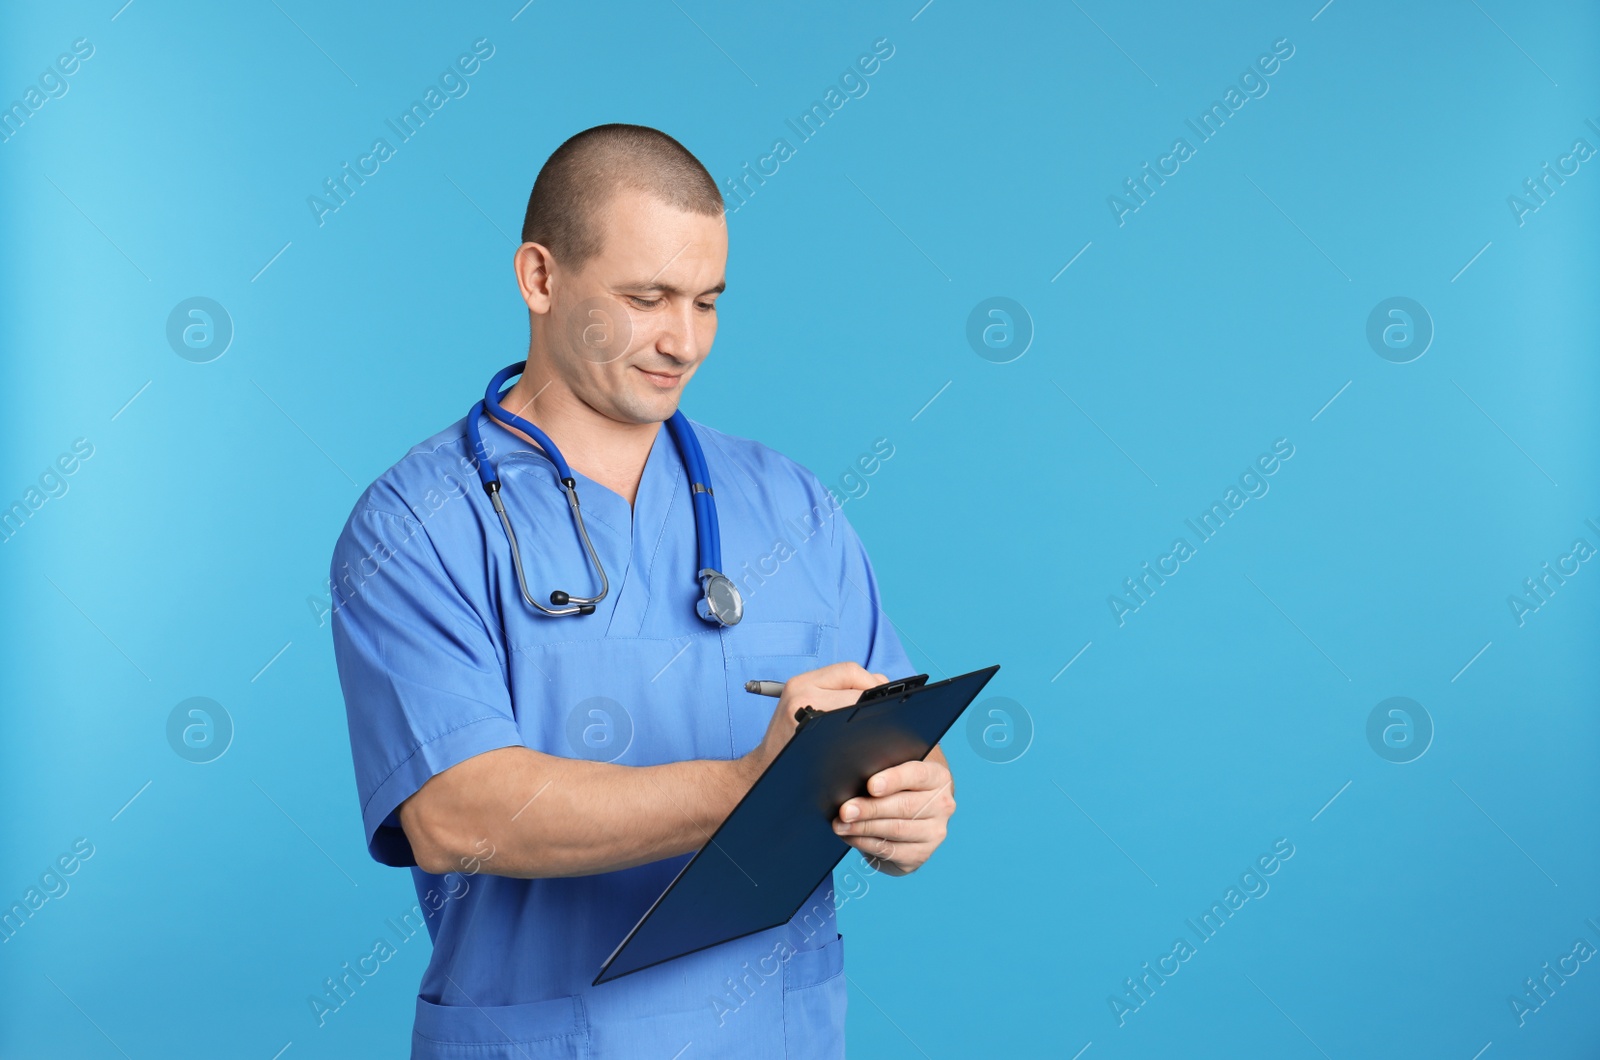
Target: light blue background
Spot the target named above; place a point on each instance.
(1226, 313)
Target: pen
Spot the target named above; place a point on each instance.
(775, 689)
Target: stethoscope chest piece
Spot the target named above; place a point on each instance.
(721, 601)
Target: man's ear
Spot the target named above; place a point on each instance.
(532, 264)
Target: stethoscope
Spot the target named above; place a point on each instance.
(720, 601)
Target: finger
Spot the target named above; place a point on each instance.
(894, 859)
(831, 687)
(877, 849)
(905, 804)
(900, 829)
(917, 775)
(846, 675)
(940, 803)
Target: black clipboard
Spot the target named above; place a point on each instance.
(778, 844)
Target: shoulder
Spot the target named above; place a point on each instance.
(738, 464)
(761, 462)
(413, 500)
(441, 465)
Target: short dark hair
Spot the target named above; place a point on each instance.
(581, 176)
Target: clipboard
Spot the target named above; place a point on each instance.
(778, 844)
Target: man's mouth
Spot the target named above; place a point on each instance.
(662, 379)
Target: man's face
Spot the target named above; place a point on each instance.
(626, 332)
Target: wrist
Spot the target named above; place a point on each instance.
(744, 771)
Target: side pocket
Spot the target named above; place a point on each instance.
(814, 996)
(557, 1029)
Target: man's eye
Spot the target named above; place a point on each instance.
(707, 306)
(645, 303)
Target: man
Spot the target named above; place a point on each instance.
(561, 770)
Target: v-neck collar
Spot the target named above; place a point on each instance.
(636, 532)
(596, 498)
(652, 504)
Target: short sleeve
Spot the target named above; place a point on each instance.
(424, 686)
(865, 633)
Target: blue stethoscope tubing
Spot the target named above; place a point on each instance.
(720, 603)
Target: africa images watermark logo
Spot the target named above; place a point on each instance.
(453, 84)
(1137, 191)
(853, 83)
(1252, 485)
(1139, 991)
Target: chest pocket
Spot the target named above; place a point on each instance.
(768, 651)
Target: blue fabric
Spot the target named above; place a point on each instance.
(441, 659)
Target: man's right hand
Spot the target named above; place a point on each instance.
(829, 688)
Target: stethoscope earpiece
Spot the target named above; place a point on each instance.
(720, 601)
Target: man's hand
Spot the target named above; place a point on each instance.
(903, 819)
(827, 688)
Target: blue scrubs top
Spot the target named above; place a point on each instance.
(441, 659)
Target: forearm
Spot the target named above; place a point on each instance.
(542, 815)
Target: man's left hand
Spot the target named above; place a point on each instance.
(898, 825)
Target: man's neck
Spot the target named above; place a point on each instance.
(611, 453)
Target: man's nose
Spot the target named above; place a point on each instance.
(677, 337)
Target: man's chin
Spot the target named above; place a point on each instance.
(646, 405)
